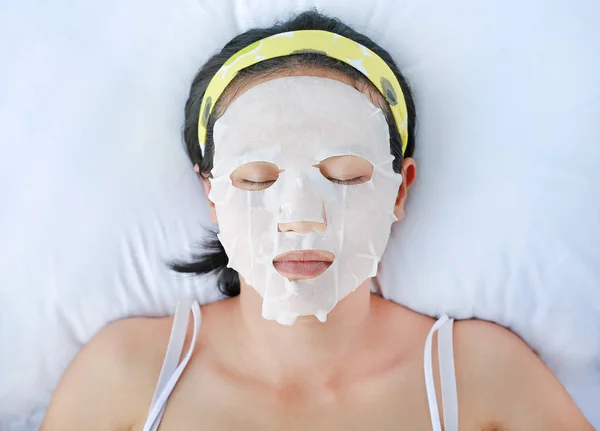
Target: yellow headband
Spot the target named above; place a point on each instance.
(307, 41)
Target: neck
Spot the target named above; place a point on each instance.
(310, 348)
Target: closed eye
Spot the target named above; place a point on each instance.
(255, 176)
(346, 170)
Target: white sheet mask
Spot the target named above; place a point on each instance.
(295, 123)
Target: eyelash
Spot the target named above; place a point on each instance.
(349, 182)
(257, 185)
(265, 184)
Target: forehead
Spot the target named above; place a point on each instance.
(301, 116)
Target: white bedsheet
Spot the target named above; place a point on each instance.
(97, 193)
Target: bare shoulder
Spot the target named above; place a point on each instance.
(502, 380)
(488, 352)
(483, 342)
(111, 380)
(133, 338)
(133, 347)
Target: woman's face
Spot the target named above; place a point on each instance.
(304, 191)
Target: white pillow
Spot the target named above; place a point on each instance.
(97, 192)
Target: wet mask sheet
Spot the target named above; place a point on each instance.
(296, 125)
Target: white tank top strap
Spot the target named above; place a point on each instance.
(172, 369)
(447, 376)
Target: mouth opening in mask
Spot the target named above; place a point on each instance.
(303, 264)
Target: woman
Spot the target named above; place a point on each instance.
(302, 135)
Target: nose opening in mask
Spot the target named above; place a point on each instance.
(304, 224)
(300, 201)
(302, 227)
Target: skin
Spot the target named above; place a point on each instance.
(362, 369)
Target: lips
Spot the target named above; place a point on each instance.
(303, 263)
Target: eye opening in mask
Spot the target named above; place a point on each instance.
(255, 175)
(346, 170)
